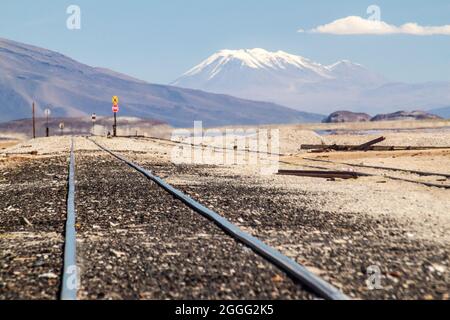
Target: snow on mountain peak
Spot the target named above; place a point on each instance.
(256, 58)
(280, 77)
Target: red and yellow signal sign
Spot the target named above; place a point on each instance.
(115, 101)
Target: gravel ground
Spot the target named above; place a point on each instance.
(32, 217)
(136, 242)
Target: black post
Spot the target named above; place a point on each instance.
(47, 130)
(115, 125)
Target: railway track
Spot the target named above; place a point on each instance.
(298, 273)
(203, 146)
(69, 283)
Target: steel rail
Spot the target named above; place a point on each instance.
(70, 273)
(323, 174)
(316, 284)
(200, 146)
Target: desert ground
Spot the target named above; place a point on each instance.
(135, 242)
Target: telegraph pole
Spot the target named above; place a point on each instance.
(34, 121)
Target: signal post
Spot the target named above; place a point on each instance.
(115, 109)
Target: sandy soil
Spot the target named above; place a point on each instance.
(7, 144)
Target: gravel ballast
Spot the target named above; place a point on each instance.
(138, 242)
(32, 217)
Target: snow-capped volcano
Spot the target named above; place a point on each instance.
(303, 84)
(270, 76)
(280, 62)
(256, 59)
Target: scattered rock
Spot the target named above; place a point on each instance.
(49, 275)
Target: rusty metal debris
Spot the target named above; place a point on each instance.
(325, 174)
(335, 147)
(325, 148)
(368, 146)
(30, 153)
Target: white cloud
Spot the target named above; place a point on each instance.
(354, 25)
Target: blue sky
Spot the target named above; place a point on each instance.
(158, 40)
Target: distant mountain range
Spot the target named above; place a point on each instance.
(302, 84)
(72, 89)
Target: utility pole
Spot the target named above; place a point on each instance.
(47, 113)
(34, 121)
